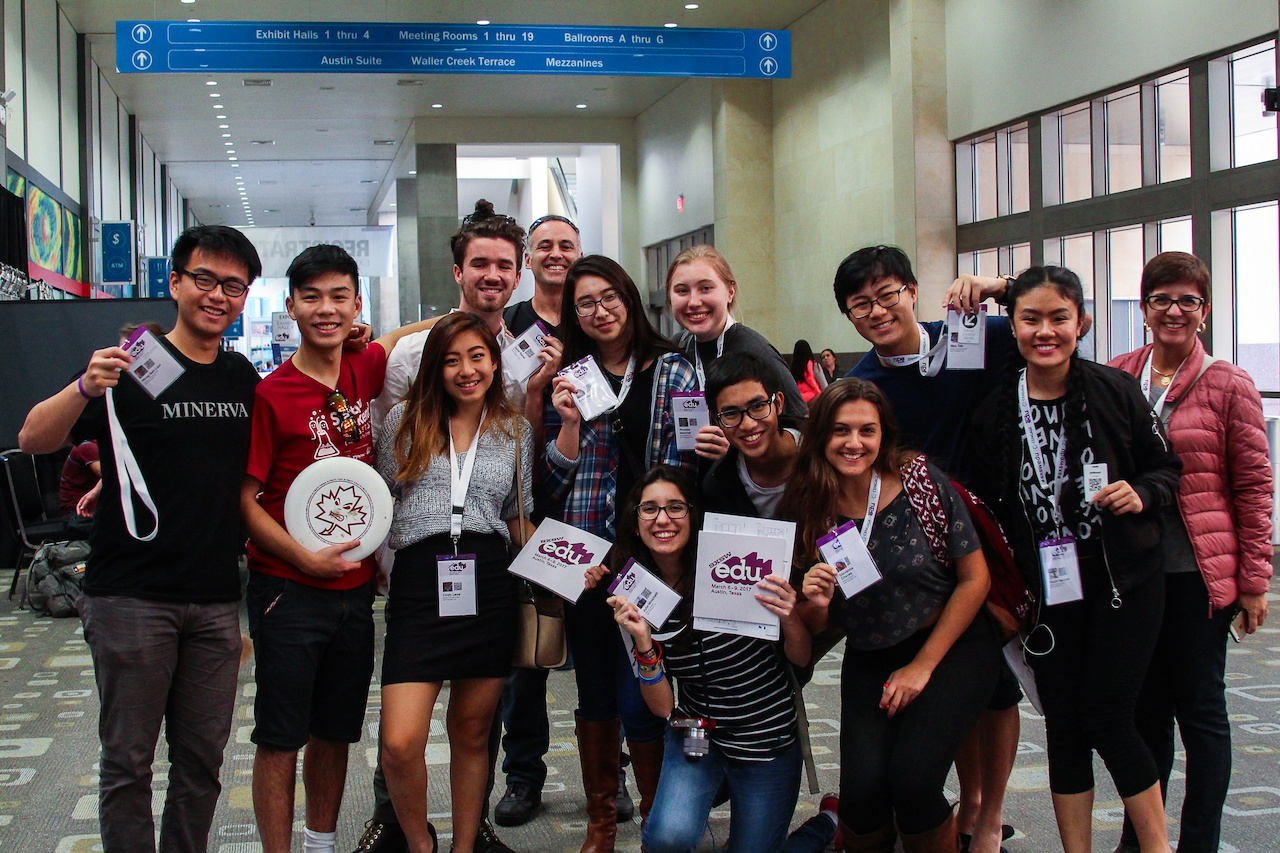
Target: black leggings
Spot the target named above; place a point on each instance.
(1089, 686)
(895, 768)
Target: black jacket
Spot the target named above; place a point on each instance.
(722, 488)
(1128, 437)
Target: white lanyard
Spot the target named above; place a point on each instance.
(1145, 379)
(626, 382)
(129, 475)
(459, 481)
(697, 356)
(1054, 487)
(929, 359)
(873, 500)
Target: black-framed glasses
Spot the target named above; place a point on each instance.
(586, 307)
(232, 287)
(347, 423)
(859, 310)
(757, 409)
(674, 509)
(1189, 303)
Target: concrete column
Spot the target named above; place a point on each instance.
(923, 162)
(407, 249)
(436, 211)
(742, 161)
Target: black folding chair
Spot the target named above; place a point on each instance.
(25, 505)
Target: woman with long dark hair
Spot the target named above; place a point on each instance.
(918, 666)
(738, 683)
(588, 466)
(1079, 478)
(454, 442)
(1217, 538)
(806, 371)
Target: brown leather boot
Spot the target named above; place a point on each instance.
(598, 744)
(943, 839)
(880, 841)
(646, 761)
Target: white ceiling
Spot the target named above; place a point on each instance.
(323, 160)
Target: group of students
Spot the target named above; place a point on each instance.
(1073, 458)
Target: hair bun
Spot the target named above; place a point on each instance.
(484, 210)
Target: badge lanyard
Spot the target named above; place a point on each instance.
(873, 501)
(459, 481)
(1037, 455)
(929, 359)
(1145, 379)
(697, 356)
(626, 382)
(129, 475)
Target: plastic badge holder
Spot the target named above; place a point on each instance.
(520, 357)
(594, 396)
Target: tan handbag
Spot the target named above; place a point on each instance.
(540, 640)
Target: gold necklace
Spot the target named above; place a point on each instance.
(1165, 378)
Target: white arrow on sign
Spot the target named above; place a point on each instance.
(142, 60)
(768, 66)
(142, 34)
(768, 41)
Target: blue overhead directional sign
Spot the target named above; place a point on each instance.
(172, 46)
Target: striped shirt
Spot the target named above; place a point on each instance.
(742, 684)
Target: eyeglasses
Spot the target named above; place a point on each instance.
(348, 425)
(758, 409)
(586, 307)
(860, 310)
(1163, 302)
(674, 510)
(552, 217)
(232, 287)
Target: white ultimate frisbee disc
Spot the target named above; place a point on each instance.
(338, 500)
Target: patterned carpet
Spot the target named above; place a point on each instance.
(48, 752)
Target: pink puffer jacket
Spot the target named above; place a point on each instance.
(1226, 493)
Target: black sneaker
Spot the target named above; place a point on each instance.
(382, 838)
(487, 840)
(517, 805)
(626, 808)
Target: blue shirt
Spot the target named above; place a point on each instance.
(933, 412)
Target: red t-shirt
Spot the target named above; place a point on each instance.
(77, 478)
(293, 426)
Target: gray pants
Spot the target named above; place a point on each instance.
(161, 662)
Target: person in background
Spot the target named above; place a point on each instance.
(806, 371)
(829, 365)
(921, 658)
(587, 466)
(457, 416)
(1079, 478)
(1216, 541)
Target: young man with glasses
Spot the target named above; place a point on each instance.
(310, 613)
(876, 289)
(161, 597)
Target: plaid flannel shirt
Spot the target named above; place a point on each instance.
(583, 492)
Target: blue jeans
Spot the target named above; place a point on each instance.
(762, 797)
(607, 689)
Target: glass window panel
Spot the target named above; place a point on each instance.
(985, 183)
(1124, 140)
(1076, 254)
(966, 264)
(1019, 170)
(1175, 235)
(1021, 258)
(1173, 109)
(1253, 134)
(1124, 274)
(988, 262)
(1076, 151)
(1256, 251)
